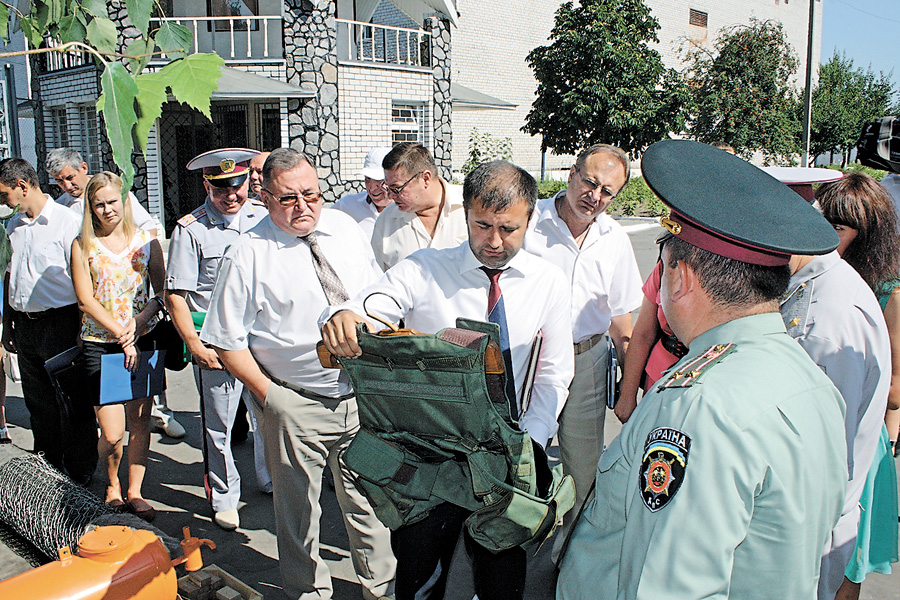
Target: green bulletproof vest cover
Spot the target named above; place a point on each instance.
(435, 428)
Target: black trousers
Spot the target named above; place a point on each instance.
(64, 428)
(424, 550)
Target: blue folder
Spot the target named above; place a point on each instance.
(118, 384)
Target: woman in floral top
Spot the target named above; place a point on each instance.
(114, 265)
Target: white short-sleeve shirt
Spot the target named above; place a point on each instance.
(40, 277)
(603, 273)
(268, 298)
(435, 287)
(358, 206)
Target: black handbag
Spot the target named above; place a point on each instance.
(167, 338)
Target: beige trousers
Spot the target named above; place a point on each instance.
(581, 430)
(302, 436)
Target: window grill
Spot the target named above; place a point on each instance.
(407, 123)
(698, 18)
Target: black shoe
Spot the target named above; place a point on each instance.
(240, 430)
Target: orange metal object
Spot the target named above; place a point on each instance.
(190, 550)
(113, 563)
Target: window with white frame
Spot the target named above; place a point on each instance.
(408, 123)
(89, 142)
(59, 128)
(75, 126)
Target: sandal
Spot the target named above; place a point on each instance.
(117, 505)
(141, 509)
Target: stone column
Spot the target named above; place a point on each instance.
(441, 107)
(118, 14)
(310, 48)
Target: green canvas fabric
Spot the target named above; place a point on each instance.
(435, 429)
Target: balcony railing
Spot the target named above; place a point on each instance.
(382, 44)
(234, 38)
(54, 61)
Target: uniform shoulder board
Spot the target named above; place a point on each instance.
(690, 372)
(192, 216)
(795, 309)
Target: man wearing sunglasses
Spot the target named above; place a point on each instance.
(262, 321)
(427, 211)
(197, 245)
(573, 231)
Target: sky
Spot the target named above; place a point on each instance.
(868, 31)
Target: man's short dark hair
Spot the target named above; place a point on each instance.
(729, 282)
(13, 170)
(410, 158)
(497, 185)
(616, 153)
(284, 159)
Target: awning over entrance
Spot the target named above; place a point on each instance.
(236, 84)
(464, 98)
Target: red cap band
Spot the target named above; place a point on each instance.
(697, 235)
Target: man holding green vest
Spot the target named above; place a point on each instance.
(484, 279)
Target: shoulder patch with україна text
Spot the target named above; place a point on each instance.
(663, 467)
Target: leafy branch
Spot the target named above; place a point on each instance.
(131, 100)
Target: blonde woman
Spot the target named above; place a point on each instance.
(114, 265)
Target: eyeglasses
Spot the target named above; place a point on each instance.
(291, 200)
(392, 189)
(605, 192)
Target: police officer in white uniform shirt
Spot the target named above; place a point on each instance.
(573, 231)
(41, 318)
(198, 243)
(272, 286)
(365, 206)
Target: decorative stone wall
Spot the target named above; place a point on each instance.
(441, 106)
(40, 138)
(118, 14)
(310, 48)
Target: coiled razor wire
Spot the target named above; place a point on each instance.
(51, 511)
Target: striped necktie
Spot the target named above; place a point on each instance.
(335, 292)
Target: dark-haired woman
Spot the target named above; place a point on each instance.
(863, 216)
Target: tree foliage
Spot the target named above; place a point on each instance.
(483, 147)
(844, 99)
(741, 91)
(131, 100)
(599, 80)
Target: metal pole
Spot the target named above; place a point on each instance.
(543, 160)
(807, 94)
(12, 110)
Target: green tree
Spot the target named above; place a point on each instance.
(483, 147)
(844, 99)
(741, 91)
(131, 100)
(600, 81)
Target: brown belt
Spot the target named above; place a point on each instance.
(589, 343)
